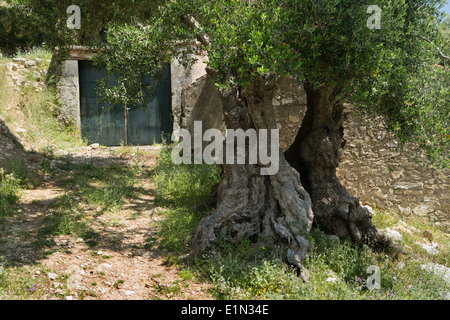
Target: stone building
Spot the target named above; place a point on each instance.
(71, 81)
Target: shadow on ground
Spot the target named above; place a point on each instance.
(98, 202)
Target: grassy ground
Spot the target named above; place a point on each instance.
(87, 187)
(36, 110)
(337, 271)
(35, 105)
(183, 193)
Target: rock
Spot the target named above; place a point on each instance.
(393, 234)
(332, 240)
(103, 267)
(404, 211)
(30, 64)
(437, 269)
(422, 209)
(408, 185)
(95, 146)
(431, 249)
(332, 279)
(397, 174)
(381, 135)
(369, 208)
(287, 101)
(21, 131)
(38, 61)
(20, 81)
(14, 67)
(36, 74)
(74, 282)
(19, 60)
(69, 297)
(52, 276)
(392, 144)
(129, 292)
(294, 118)
(403, 229)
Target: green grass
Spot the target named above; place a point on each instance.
(39, 108)
(24, 283)
(245, 271)
(66, 218)
(4, 92)
(185, 190)
(36, 52)
(99, 189)
(9, 193)
(18, 166)
(183, 185)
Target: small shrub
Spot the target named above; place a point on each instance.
(9, 193)
(186, 190)
(66, 219)
(19, 167)
(183, 185)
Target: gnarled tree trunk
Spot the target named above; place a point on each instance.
(281, 208)
(316, 153)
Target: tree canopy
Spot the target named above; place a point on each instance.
(399, 70)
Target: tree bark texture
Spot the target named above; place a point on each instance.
(281, 208)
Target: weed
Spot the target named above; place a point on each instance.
(182, 188)
(183, 185)
(40, 108)
(19, 167)
(9, 193)
(338, 269)
(65, 219)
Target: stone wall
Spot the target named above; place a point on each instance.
(289, 103)
(385, 176)
(68, 89)
(182, 78)
(373, 167)
(9, 143)
(67, 74)
(200, 101)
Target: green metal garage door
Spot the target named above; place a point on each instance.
(105, 124)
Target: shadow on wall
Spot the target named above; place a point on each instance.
(386, 176)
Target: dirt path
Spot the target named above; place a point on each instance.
(121, 264)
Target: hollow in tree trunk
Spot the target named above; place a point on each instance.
(316, 153)
(281, 208)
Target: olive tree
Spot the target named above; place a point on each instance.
(378, 57)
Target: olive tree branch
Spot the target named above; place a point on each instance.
(442, 55)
